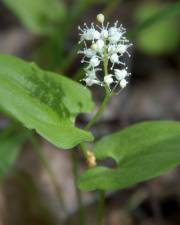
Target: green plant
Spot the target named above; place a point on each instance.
(49, 104)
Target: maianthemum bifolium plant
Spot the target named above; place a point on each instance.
(49, 104)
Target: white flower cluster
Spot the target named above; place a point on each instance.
(104, 46)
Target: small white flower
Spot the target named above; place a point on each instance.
(115, 34)
(113, 31)
(114, 58)
(120, 74)
(89, 53)
(123, 83)
(100, 45)
(91, 74)
(115, 38)
(96, 35)
(112, 49)
(89, 34)
(108, 80)
(90, 81)
(94, 62)
(104, 34)
(122, 48)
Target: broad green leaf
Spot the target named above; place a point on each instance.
(156, 22)
(44, 101)
(141, 152)
(38, 15)
(10, 146)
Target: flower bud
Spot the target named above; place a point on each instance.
(94, 46)
(100, 18)
(104, 33)
(91, 159)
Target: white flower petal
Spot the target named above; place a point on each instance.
(108, 79)
(123, 83)
(120, 74)
(94, 61)
(114, 58)
(100, 45)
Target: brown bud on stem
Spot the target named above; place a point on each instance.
(91, 159)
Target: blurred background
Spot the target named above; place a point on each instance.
(38, 187)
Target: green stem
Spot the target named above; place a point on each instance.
(83, 150)
(82, 214)
(100, 110)
(100, 208)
